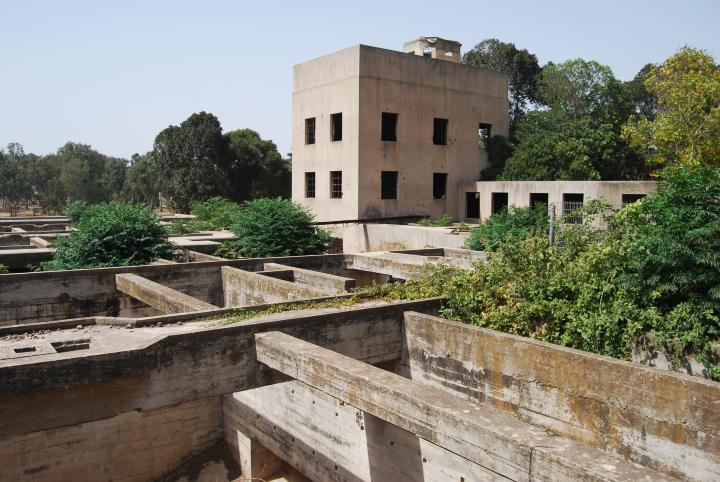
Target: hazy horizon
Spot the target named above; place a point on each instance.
(114, 76)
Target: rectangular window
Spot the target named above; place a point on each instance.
(631, 198)
(538, 198)
(439, 185)
(309, 184)
(472, 205)
(336, 184)
(336, 127)
(440, 128)
(499, 201)
(388, 184)
(389, 127)
(484, 133)
(572, 202)
(310, 130)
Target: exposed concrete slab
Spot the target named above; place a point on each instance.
(39, 242)
(662, 419)
(160, 297)
(322, 281)
(244, 288)
(327, 439)
(492, 439)
(376, 263)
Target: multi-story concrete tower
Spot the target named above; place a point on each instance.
(379, 133)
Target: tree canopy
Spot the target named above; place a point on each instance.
(686, 127)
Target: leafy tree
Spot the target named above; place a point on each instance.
(499, 151)
(276, 227)
(644, 102)
(582, 88)
(255, 167)
(87, 175)
(521, 67)
(142, 183)
(15, 185)
(508, 225)
(686, 128)
(192, 158)
(553, 146)
(112, 234)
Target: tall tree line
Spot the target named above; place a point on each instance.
(188, 163)
(566, 119)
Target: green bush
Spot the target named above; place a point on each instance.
(178, 227)
(76, 210)
(276, 227)
(442, 221)
(651, 280)
(112, 234)
(506, 225)
(213, 214)
(3, 269)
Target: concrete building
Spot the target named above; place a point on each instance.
(381, 133)
(483, 198)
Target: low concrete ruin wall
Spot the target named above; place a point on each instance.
(378, 237)
(661, 419)
(134, 445)
(55, 295)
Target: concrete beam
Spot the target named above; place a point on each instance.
(39, 242)
(489, 438)
(322, 281)
(327, 439)
(245, 288)
(375, 263)
(162, 298)
(18, 259)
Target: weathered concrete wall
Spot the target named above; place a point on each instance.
(131, 446)
(54, 295)
(378, 237)
(160, 297)
(245, 288)
(327, 439)
(56, 390)
(665, 420)
(316, 279)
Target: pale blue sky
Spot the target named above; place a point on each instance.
(114, 73)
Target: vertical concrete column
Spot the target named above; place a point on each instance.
(256, 461)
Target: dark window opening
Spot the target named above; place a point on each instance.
(440, 128)
(631, 198)
(472, 205)
(389, 127)
(439, 185)
(336, 127)
(309, 184)
(484, 133)
(336, 184)
(310, 130)
(499, 201)
(538, 198)
(388, 184)
(571, 203)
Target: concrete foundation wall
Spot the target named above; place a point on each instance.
(663, 420)
(327, 439)
(244, 288)
(132, 446)
(55, 295)
(377, 237)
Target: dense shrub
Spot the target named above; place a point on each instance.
(508, 224)
(3, 269)
(651, 280)
(442, 221)
(276, 227)
(76, 210)
(111, 234)
(213, 214)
